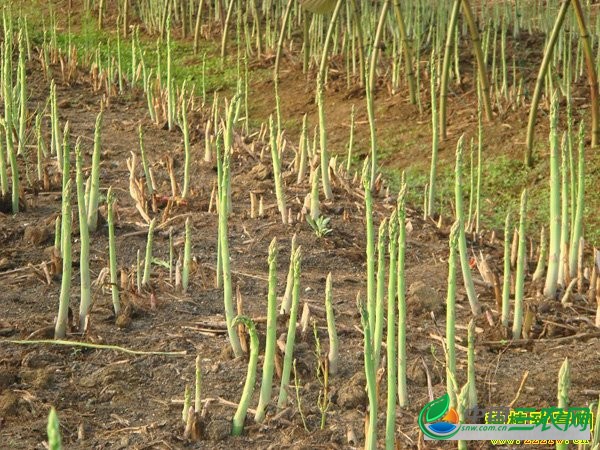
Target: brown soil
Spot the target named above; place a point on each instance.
(107, 399)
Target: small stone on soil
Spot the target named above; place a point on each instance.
(352, 394)
(218, 429)
(422, 299)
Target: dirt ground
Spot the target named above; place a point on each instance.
(108, 399)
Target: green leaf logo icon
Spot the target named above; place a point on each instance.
(436, 409)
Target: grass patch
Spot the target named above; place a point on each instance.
(206, 67)
(502, 182)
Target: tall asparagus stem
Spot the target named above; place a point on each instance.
(92, 212)
(371, 287)
(408, 56)
(148, 257)
(60, 330)
(286, 302)
(554, 245)
(541, 264)
(7, 78)
(462, 239)
(284, 22)
(333, 356)
(3, 169)
(506, 277)
(380, 291)
(577, 231)
(66, 173)
(462, 402)
(401, 291)
(55, 140)
(170, 83)
(371, 91)
(275, 156)
(315, 205)
(370, 373)
(234, 340)
(565, 221)
(435, 138)
(271, 339)
(303, 150)
(451, 317)
(145, 165)
(446, 67)
(187, 150)
(187, 256)
(228, 139)
(392, 367)
(564, 384)
(84, 257)
(520, 273)
(351, 139)
(479, 167)
(22, 79)
(291, 334)
(112, 251)
(482, 76)
(220, 206)
(198, 386)
(321, 104)
(539, 84)
(240, 414)
(472, 392)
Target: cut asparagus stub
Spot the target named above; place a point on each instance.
(318, 6)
